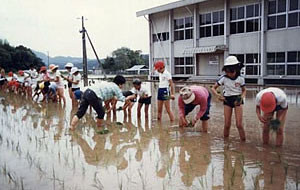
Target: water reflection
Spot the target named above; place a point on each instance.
(141, 153)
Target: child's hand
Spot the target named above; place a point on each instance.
(262, 119)
(194, 121)
(183, 122)
(172, 97)
(221, 98)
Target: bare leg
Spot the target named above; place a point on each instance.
(280, 115)
(227, 117)
(266, 129)
(204, 126)
(239, 121)
(160, 104)
(168, 108)
(146, 111)
(139, 110)
(74, 122)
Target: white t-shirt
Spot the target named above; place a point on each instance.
(164, 79)
(60, 83)
(76, 78)
(142, 91)
(20, 79)
(232, 87)
(281, 99)
(33, 73)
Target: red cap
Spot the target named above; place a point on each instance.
(268, 102)
(21, 72)
(159, 65)
(43, 68)
(10, 74)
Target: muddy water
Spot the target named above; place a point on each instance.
(37, 151)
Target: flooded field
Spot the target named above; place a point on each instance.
(37, 150)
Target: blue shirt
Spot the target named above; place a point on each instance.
(107, 90)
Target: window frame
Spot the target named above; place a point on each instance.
(184, 29)
(184, 66)
(245, 19)
(212, 24)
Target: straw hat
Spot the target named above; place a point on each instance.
(53, 67)
(187, 95)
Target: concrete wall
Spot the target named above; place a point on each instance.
(283, 40)
(161, 49)
(244, 43)
(211, 6)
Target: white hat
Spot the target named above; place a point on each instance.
(69, 65)
(74, 70)
(231, 60)
(187, 95)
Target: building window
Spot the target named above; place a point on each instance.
(294, 13)
(245, 19)
(276, 63)
(251, 62)
(183, 28)
(278, 14)
(293, 63)
(212, 24)
(184, 66)
(164, 36)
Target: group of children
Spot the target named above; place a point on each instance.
(103, 96)
(49, 83)
(269, 101)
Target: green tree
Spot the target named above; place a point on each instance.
(17, 58)
(123, 58)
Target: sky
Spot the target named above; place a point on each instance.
(53, 25)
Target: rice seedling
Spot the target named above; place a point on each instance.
(274, 125)
(97, 183)
(83, 170)
(271, 177)
(297, 177)
(143, 180)
(22, 184)
(201, 182)
(232, 176)
(255, 182)
(286, 167)
(4, 169)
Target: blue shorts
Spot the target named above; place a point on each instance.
(163, 94)
(190, 107)
(278, 107)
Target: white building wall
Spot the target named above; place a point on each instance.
(283, 40)
(211, 6)
(180, 46)
(244, 43)
(161, 49)
(183, 12)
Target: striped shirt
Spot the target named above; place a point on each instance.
(107, 90)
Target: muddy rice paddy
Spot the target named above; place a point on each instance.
(37, 151)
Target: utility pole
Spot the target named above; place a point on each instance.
(84, 57)
(48, 58)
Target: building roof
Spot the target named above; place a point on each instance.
(137, 68)
(168, 6)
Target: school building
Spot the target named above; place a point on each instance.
(193, 37)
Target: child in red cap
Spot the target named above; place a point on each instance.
(269, 101)
(165, 90)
